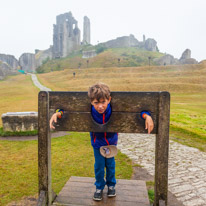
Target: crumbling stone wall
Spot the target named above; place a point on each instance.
(89, 54)
(186, 54)
(150, 45)
(170, 60)
(42, 55)
(186, 58)
(124, 41)
(166, 60)
(5, 70)
(86, 34)
(66, 35)
(20, 121)
(27, 62)
(10, 60)
(131, 41)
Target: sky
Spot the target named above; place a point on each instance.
(176, 25)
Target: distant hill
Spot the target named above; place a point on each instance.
(113, 57)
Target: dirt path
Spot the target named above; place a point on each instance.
(38, 84)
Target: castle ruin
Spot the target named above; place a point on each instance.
(86, 34)
(66, 39)
(66, 35)
(27, 62)
(10, 60)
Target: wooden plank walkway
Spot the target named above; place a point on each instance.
(79, 191)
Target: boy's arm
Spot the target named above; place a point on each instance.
(58, 114)
(149, 124)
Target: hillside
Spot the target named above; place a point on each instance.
(186, 83)
(115, 57)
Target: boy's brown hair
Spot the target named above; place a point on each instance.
(99, 91)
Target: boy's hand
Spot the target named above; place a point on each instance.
(149, 123)
(54, 119)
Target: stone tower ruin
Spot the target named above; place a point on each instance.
(27, 62)
(86, 30)
(66, 35)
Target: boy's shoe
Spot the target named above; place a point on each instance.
(98, 195)
(111, 191)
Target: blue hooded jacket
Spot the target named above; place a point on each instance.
(99, 139)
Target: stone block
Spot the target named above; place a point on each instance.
(20, 121)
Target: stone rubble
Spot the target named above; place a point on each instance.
(187, 166)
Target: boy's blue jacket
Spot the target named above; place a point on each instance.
(99, 139)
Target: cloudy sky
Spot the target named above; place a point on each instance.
(176, 25)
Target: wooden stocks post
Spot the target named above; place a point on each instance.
(44, 150)
(162, 150)
(125, 118)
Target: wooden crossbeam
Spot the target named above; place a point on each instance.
(125, 118)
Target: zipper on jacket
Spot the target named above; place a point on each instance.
(105, 134)
(94, 137)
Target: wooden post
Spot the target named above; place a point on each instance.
(161, 151)
(44, 147)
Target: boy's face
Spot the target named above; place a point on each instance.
(101, 105)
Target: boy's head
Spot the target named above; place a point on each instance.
(99, 95)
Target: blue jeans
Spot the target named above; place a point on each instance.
(99, 165)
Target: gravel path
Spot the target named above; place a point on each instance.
(187, 166)
(38, 84)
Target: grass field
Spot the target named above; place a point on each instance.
(19, 165)
(18, 94)
(186, 84)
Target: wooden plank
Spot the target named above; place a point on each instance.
(121, 101)
(105, 201)
(119, 122)
(134, 101)
(119, 181)
(44, 147)
(88, 185)
(89, 195)
(80, 192)
(70, 101)
(123, 191)
(162, 148)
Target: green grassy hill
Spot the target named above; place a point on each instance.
(115, 57)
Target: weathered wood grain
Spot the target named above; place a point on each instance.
(80, 192)
(123, 122)
(121, 101)
(162, 149)
(44, 147)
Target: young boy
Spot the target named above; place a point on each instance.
(99, 95)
